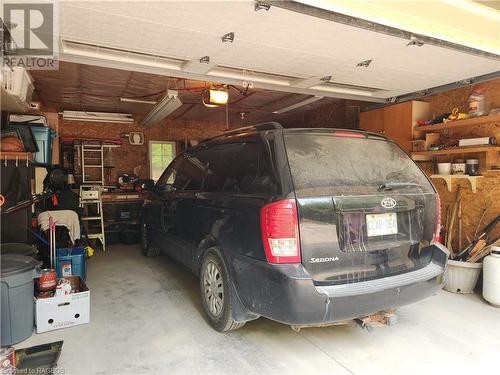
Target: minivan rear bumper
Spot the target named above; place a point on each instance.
(286, 293)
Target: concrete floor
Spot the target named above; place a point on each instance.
(146, 317)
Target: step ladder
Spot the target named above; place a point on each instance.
(92, 159)
(90, 198)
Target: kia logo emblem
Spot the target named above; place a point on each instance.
(388, 202)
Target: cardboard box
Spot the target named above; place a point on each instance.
(418, 145)
(64, 311)
(432, 139)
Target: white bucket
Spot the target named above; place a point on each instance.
(444, 168)
(461, 277)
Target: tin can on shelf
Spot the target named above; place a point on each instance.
(472, 167)
(458, 167)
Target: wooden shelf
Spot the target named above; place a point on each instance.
(450, 177)
(459, 124)
(13, 155)
(457, 150)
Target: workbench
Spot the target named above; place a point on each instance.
(121, 212)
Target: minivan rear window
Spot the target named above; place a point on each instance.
(322, 164)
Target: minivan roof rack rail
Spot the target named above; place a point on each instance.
(259, 127)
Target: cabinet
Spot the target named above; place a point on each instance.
(372, 121)
(396, 121)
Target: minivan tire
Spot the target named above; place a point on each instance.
(215, 283)
(147, 248)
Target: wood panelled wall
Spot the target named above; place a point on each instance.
(488, 191)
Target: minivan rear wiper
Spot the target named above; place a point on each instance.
(390, 185)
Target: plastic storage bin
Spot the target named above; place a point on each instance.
(43, 137)
(18, 272)
(71, 262)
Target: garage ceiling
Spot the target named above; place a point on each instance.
(276, 49)
(92, 88)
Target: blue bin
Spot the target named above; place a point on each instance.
(71, 262)
(43, 137)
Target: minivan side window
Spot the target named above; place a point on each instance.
(168, 176)
(190, 174)
(237, 168)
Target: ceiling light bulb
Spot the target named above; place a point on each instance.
(215, 97)
(219, 96)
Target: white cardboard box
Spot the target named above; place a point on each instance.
(63, 311)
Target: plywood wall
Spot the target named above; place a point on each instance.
(488, 192)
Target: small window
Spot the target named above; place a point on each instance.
(161, 155)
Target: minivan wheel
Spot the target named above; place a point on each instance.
(147, 248)
(216, 293)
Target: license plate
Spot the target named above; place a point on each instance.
(382, 224)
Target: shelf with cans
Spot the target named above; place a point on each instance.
(467, 139)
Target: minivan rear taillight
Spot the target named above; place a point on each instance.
(280, 231)
(437, 228)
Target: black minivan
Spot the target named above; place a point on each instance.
(302, 226)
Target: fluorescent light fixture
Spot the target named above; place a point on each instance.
(98, 116)
(299, 104)
(139, 101)
(226, 72)
(166, 106)
(120, 57)
(214, 97)
(340, 89)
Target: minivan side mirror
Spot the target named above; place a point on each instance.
(167, 188)
(145, 185)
